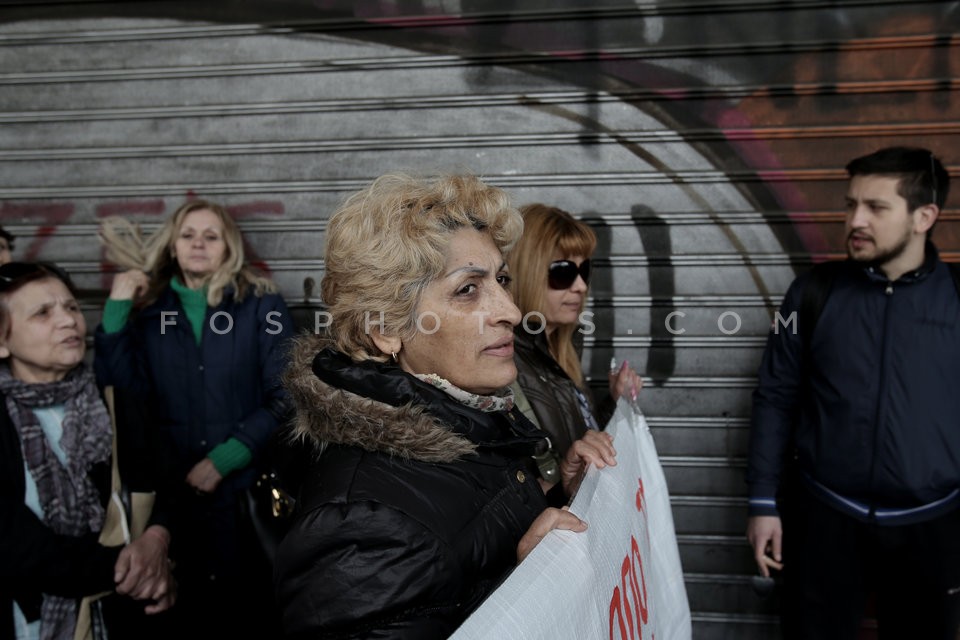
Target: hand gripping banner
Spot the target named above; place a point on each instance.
(620, 579)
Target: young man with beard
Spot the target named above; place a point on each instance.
(854, 464)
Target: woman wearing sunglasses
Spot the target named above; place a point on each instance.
(551, 270)
(55, 470)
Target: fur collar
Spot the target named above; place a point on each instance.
(328, 414)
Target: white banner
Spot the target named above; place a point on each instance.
(621, 578)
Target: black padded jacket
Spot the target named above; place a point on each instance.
(411, 515)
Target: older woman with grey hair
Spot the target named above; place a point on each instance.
(56, 438)
(425, 493)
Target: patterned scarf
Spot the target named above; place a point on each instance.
(70, 501)
(502, 402)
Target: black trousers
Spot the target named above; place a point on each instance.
(832, 562)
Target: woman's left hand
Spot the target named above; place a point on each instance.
(625, 382)
(595, 447)
(204, 477)
(546, 522)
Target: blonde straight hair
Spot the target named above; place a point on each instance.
(549, 232)
(127, 248)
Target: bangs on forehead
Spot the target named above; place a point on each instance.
(576, 242)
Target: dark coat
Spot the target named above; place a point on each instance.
(228, 386)
(551, 393)
(869, 407)
(412, 514)
(33, 559)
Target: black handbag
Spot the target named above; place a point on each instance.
(269, 507)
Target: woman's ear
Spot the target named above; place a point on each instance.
(389, 345)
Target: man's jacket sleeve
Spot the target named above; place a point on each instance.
(775, 404)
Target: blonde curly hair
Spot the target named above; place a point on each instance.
(386, 243)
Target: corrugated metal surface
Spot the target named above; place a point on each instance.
(705, 141)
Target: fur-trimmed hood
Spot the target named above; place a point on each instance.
(378, 407)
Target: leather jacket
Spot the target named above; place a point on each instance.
(550, 392)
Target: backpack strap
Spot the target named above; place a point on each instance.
(815, 293)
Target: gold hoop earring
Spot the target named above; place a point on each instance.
(394, 355)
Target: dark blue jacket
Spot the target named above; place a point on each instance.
(871, 412)
(228, 386)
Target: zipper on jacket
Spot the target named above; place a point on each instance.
(881, 393)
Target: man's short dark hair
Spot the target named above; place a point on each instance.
(6, 235)
(923, 180)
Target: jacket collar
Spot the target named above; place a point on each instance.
(930, 259)
(535, 338)
(379, 407)
(168, 300)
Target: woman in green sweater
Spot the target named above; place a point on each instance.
(191, 323)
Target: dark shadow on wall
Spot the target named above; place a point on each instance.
(654, 234)
(605, 326)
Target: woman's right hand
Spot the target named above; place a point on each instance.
(546, 522)
(128, 285)
(625, 382)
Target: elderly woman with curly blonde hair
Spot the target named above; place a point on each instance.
(425, 494)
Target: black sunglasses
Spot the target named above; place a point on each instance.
(563, 273)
